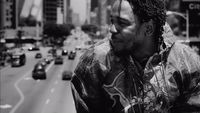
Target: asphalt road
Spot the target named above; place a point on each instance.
(20, 93)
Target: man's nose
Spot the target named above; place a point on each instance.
(113, 28)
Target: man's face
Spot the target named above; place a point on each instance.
(127, 32)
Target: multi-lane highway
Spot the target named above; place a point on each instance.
(20, 93)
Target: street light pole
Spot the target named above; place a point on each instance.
(187, 24)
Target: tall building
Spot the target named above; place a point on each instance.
(101, 10)
(50, 11)
(76, 19)
(94, 4)
(94, 12)
(88, 11)
(20, 4)
(56, 11)
(60, 9)
(1, 12)
(8, 14)
(103, 16)
(68, 12)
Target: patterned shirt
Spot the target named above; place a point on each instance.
(106, 83)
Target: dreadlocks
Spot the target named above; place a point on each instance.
(151, 9)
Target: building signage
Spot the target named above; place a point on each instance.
(191, 5)
(192, 8)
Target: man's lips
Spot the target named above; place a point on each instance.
(116, 39)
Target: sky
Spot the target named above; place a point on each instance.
(79, 6)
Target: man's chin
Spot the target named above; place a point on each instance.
(119, 51)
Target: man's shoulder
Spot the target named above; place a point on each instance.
(180, 48)
(98, 52)
(91, 61)
(183, 57)
(102, 49)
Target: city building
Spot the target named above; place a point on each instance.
(1, 17)
(50, 11)
(67, 12)
(57, 11)
(8, 18)
(100, 11)
(94, 4)
(76, 19)
(88, 12)
(8, 14)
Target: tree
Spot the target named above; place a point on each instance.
(55, 30)
(57, 33)
(49, 29)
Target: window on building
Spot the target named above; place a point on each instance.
(7, 12)
(8, 19)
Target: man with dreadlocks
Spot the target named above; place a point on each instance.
(135, 70)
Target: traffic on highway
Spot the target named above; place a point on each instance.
(37, 80)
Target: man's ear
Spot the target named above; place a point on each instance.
(149, 28)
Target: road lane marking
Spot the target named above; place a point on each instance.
(20, 92)
(47, 101)
(59, 76)
(50, 65)
(6, 106)
(52, 90)
(28, 78)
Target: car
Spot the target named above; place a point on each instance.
(34, 49)
(39, 72)
(72, 55)
(78, 48)
(50, 57)
(2, 63)
(18, 59)
(47, 61)
(89, 42)
(64, 52)
(51, 51)
(67, 75)
(58, 60)
(43, 63)
(38, 55)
